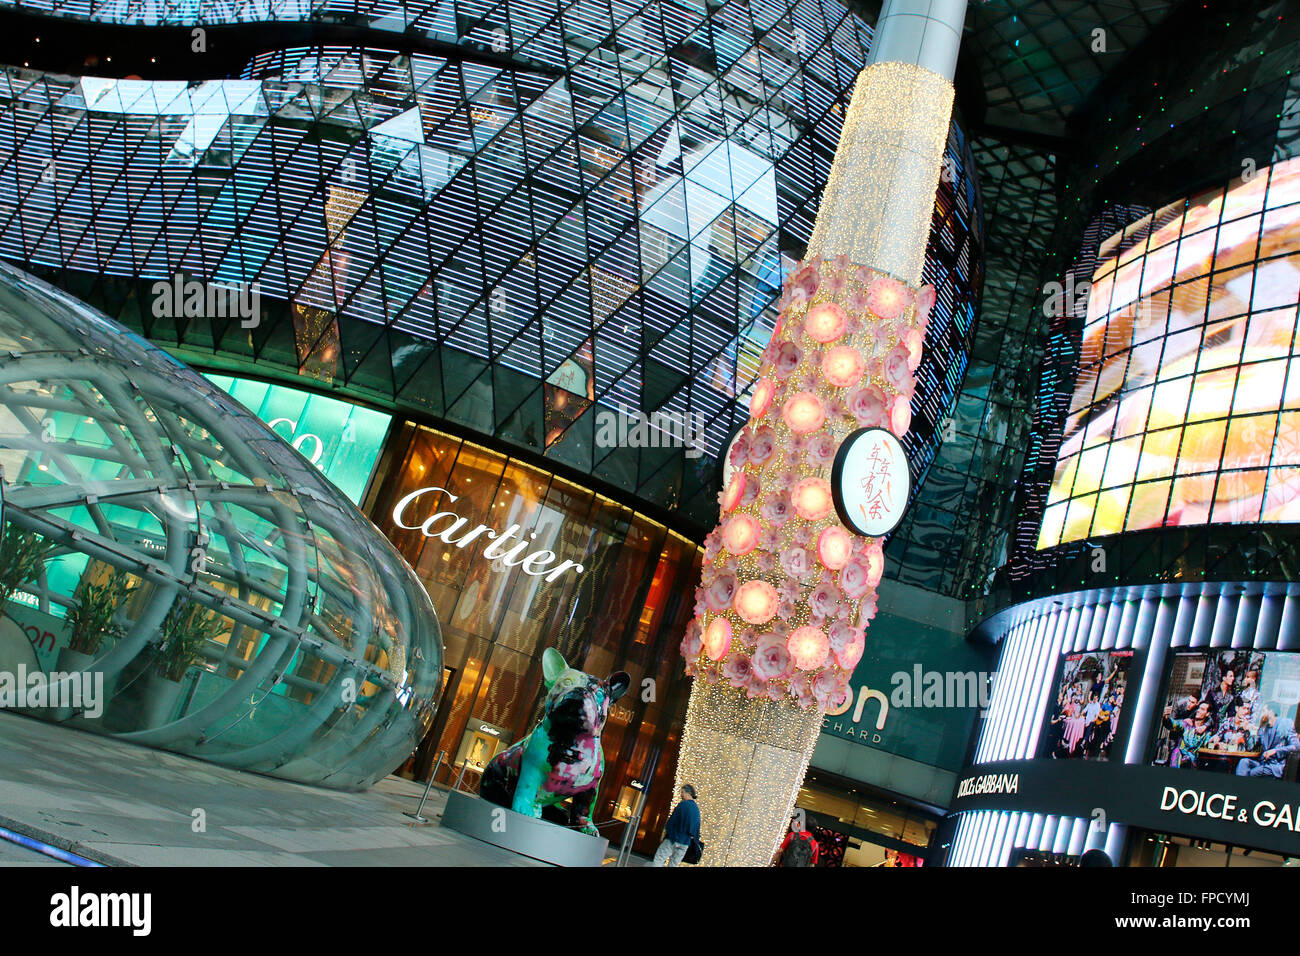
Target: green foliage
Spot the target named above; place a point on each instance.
(22, 553)
(185, 630)
(90, 618)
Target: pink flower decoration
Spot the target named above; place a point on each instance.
(858, 302)
(712, 545)
(875, 559)
(787, 478)
(788, 357)
(711, 675)
(720, 593)
(866, 609)
(868, 406)
(692, 644)
(762, 444)
(756, 602)
(746, 639)
(897, 371)
(740, 450)
(843, 366)
(775, 508)
(766, 562)
(740, 534)
(829, 689)
(717, 638)
(770, 540)
(825, 322)
(750, 491)
(775, 692)
(807, 278)
(803, 412)
(887, 297)
(925, 298)
(790, 589)
(808, 647)
(812, 498)
(734, 492)
(794, 562)
(900, 416)
(772, 659)
(915, 341)
(736, 670)
(761, 400)
(847, 645)
(824, 601)
(821, 448)
(833, 283)
(855, 579)
(801, 690)
(834, 547)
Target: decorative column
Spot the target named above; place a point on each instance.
(787, 591)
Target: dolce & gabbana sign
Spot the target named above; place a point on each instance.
(1248, 811)
(534, 563)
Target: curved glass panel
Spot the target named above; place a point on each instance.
(204, 586)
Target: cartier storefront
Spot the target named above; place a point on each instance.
(563, 567)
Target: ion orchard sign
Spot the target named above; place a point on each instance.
(870, 482)
(534, 563)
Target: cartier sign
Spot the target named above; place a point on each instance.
(446, 525)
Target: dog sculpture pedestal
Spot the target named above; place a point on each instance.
(527, 836)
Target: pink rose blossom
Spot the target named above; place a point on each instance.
(769, 540)
(720, 593)
(854, 579)
(833, 283)
(766, 562)
(779, 628)
(821, 448)
(740, 450)
(897, 372)
(829, 689)
(762, 444)
(746, 639)
(858, 303)
(786, 610)
(868, 406)
(776, 508)
(736, 669)
(785, 479)
(847, 645)
(752, 488)
(711, 675)
(803, 537)
(775, 691)
(757, 687)
(772, 659)
(789, 589)
(788, 356)
(801, 690)
(692, 643)
(712, 545)
(866, 609)
(823, 601)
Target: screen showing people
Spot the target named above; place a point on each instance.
(1232, 711)
(1088, 705)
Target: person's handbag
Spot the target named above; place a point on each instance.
(694, 851)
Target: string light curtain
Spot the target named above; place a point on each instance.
(787, 592)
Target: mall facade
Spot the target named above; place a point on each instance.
(511, 268)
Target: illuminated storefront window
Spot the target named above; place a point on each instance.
(566, 567)
(341, 439)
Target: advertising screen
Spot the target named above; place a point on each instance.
(1085, 714)
(1231, 711)
(1186, 407)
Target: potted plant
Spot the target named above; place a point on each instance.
(185, 631)
(22, 555)
(90, 619)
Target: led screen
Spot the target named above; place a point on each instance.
(1085, 715)
(1231, 711)
(1186, 408)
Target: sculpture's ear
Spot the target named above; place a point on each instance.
(618, 683)
(553, 666)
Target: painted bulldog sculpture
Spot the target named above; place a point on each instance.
(562, 758)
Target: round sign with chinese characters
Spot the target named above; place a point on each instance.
(870, 482)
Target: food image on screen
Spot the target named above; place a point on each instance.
(1186, 408)
(1232, 711)
(1085, 714)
